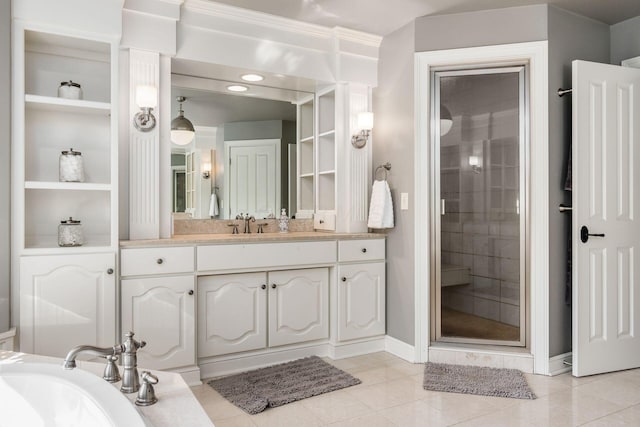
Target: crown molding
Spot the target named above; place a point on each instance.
(283, 24)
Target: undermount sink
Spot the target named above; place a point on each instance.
(44, 395)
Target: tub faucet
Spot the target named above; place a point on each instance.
(70, 360)
(130, 378)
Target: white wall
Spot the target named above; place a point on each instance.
(5, 158)
(625, 40)
(393, 142)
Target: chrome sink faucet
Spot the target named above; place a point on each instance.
(247, 218)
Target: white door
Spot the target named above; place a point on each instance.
(361, 300)
(606, 232)
(232, 313)
(254, 183)
(65, 301)
(160, 310)
(298, 306)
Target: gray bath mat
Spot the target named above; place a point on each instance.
(254, 391)
(476, 380)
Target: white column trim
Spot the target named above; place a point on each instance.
(534, 53)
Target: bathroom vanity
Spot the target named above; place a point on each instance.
(230, 302)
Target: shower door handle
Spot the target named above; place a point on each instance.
(442, 207)
(584, 234)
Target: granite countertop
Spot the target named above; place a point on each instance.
(177, 406)
(194, 239)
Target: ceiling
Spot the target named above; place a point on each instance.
(383, 16)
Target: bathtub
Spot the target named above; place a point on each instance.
(44, 395)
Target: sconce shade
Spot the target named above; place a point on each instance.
(365, 121)
(446, 120)
(182, 130)
(146, 97)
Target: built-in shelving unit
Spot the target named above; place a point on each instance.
(306, 158)
(326, 155)
(45, 125)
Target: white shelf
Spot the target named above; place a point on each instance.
(327, 133)
(307, 139)
(76, 186)
(48, 245)
(78, 106)
(306, 175)
(328, 172)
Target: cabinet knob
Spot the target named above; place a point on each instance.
(364, 250)
(263, 286)
(159, 260)
(110, 271)
(344, 279)
(322, 221)
(273, 286)
(191, 292)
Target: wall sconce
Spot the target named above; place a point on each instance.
(365, 124)
(206, 170)
(474, 162)
(182, 130)
(147, 100)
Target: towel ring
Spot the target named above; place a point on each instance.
(385, 168)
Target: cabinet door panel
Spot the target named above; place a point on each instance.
(67, 301)
(232, 313)
(161, 311)
(361, 300)
(298, 306)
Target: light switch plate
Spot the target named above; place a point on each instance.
(404, 201)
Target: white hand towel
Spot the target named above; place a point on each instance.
(213, 205)
(381, 207)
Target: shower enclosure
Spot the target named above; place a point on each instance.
(480, 205)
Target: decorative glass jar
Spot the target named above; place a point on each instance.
(283, 221)
(71, 166)
(70, 90)
(70, 233)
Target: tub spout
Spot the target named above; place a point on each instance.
(70, 360)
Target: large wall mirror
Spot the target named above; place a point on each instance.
(243, 155)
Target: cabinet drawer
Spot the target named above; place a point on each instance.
(324, 221)
(143, 261)
(360, 250)
(265, 255)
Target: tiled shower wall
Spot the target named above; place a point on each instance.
(480, 230)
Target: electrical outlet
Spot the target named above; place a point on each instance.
(404, 201)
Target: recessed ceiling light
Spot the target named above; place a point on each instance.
(252, 77)
(237, 88)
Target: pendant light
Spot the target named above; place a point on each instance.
(182, 130)
(446, 120)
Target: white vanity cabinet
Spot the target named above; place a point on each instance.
(361, 289)
(298, 306)
(158, 304)
(232, 313)
(236, 312)
(67, 301)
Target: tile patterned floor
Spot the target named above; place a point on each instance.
(391, 394)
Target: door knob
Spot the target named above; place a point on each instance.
(159, 260)
(364, 250)
(584, 234)
(344, 279)
(191, 292)
(273, 286)
(263, 286)
(110, 271)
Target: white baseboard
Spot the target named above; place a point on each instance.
(341, 351)
(399, 348)
(557, 365)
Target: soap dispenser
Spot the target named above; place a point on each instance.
(283, 221)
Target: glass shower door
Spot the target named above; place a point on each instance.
(480, 199)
